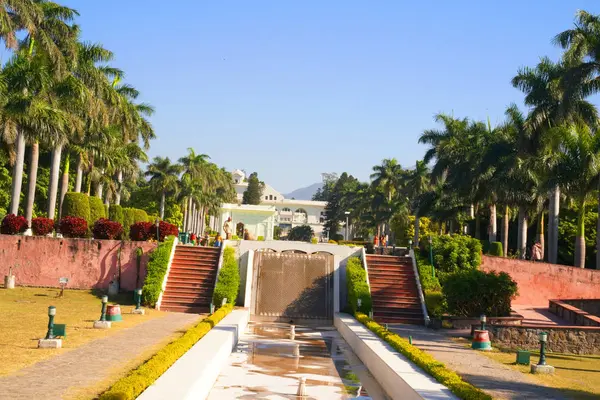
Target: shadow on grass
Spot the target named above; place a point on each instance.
(123, 298)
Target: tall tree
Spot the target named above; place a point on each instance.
(254, 191)
(164, 178)
(417, 183)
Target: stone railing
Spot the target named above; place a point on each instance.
(574, 315)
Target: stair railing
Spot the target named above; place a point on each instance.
(419, 288)
(164, 283)
(364, 263)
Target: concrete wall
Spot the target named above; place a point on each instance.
(88, 263)
(540, 282)
(571, 311)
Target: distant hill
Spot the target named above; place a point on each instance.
(305, 193)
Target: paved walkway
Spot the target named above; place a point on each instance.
(538, 315)
(90, 363)
(496, 379)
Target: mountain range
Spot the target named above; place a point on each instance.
(305, 193)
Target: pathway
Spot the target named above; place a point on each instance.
(90, 363)
(496, 379)
(538, 315)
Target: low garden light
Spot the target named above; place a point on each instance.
(157, 223)
(542, 366)
(483, 320)
(543, 340)
(103, 312)
(51, 314)
(359, 303)
(212, 309)
(138, 303)
(409, 244)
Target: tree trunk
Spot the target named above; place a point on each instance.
(185, 215)
(451, 227)
(79, 177)
(17, 177)
(107, 200)
(100, 185)
(493, 228)
(417, 228)
(522, 237)
(580, 238)
(162, 205)
(54, 174)
(506, 221)
(33, 167)
(119, 185)
(553, 219)
(202, 221)
(540, 233)
(477, 227)
(64, 184)
(598, 236)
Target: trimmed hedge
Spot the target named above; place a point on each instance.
(127, 221)
(156, 270)
(436, 369)
(139, 216)
(13, 224)
(228, 282)
(97, 209)
(455, 253)
(115, 213)
(73, 227)
(356, 281)
(436, 304)
(42, 226)
(496, 249)
(428, 282)
(76, 205)
(131, 386)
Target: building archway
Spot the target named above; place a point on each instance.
(239, 230)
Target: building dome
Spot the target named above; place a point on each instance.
(238, 176)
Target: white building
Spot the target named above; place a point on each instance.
(285, 213)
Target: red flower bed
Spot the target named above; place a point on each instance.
(42, 226)
(141, 231)
(107, 229)
(13, 224)
(73, 227)
(166, 229)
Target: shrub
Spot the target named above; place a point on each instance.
(473, 292)
(330, 241)
(107, 229)
(356, 281)
(428, 282)
(455, 253)
(338, 237)
(496, 249)
(424, 360)
(132, 385)
(128, 220)
(97, 209)
(436, 304)
(485, 246)
(76, 205)
(42, 226)
(115, 213)
(228, 282)
(73, 227)
(153, 218)
(261, 238)
(235, 237)
(13, 224)
(156, 270)
(165, 229)
(303, 233)
(314, 240)
(140, 216)
(141, 231)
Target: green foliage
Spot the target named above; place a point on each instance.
(455, 253)
(115, 213)
(302, 233)
(404, 229)
(260, 238)
(228, 282)
(471, 293)
(567, 229)
(153, 218)
(341, 197)
(132, 385)
(254, 191)
(277, 232)
(97, 210)
(496, 249)
(157, 268)
(173, 214)
(314, 240)
(356, 282)
(425, 361)
(76, 205)
(140, 216)
(128, 220)
(436, 304)
(5, 188)
(428, 282)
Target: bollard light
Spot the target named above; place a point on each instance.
(359, 303)
(409, 244)
(410, 340)
(386, 327)
(212, 308)
(103, 312)
(138, 304)
(224, 301)
(483, 320)
(543, 339)
(51, 314)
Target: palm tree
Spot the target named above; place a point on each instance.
(417, 183)
(164, 177)
(387, 178)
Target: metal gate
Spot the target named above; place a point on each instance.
(294, 285)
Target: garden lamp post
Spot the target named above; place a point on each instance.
(431, 257)
(138, 303)
(157, 223)
(103, 312)
(51, 314)
(359, 303)
(409, 244)
(543, 340)
(483, 320)
(347, 216)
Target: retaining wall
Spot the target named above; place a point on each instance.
(88, 263)
(540, 282)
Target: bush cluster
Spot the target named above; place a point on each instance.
(436, 303)
(496, 249)
(107, 229)
(97, 210)
(76, 205)
(165, 229)
(433, 367)
(455, 253)
(115, 213)
(42, 226)
(132, 385)
(302, 233)
(73, 227)
(156, 270)
(228, 282)
(471, 293)
(13, 224)
(141, 231)
(356, 282)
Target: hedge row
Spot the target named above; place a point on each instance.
(356, 281)
(228, 282)
(131, 386)
(436, 369)
(157, 268)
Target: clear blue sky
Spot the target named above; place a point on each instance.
(293, 89)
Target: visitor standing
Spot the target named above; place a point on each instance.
(227, 229)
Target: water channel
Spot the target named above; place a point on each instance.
(272, 360)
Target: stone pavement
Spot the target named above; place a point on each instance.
(536, 315)
(494, 378)
(90, 363)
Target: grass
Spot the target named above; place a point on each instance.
(24, 320)
(578, 376)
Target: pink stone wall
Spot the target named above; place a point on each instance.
(88, 263)
(540, 282)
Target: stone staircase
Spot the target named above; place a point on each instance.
(394, 290)
(191, 279)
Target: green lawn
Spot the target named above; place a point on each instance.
(24, 320)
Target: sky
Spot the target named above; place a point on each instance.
(291, 89)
